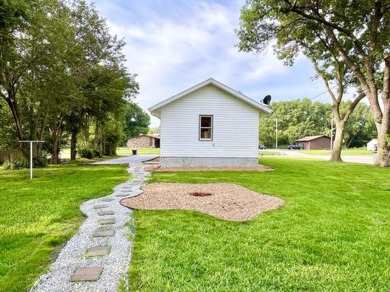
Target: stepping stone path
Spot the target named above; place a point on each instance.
(106, 221)
(87, 274)
(98, 251)
(97, 257)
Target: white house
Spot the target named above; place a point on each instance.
(209, 125)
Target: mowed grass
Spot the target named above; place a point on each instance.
(124, 151)
(332, 234)
(351, 151)
(38, 216)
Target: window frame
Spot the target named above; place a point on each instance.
(211, 128)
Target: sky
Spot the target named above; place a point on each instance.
(175, 44)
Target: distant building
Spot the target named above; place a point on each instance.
(321, 142)
(144, 141)
(372, 145)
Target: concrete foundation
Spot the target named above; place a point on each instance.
(209, 161)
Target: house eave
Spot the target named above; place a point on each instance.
(156, 109)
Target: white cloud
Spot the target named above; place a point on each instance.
(190, 41)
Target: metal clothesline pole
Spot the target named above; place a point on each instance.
(31, 153)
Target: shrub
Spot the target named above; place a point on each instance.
(86, 153)
(97, 153)
(40, 161)
(89, 153)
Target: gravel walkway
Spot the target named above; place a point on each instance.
(96, 232)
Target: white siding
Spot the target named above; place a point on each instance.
(235, 126)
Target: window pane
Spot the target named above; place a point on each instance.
(205, 133)
(205, 122)
(206, 127)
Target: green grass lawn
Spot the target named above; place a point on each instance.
(120, 151)
(352, 151)
(332, 234)
(38, 216)
(267, 152)
(124, 151)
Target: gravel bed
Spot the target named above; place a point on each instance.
(115, 264)
(222, 200)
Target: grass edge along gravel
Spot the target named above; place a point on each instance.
(38, 216)
(332, 234)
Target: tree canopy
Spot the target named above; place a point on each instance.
(303, 117)
(61, 71)
(353, 35)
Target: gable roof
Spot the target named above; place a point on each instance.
(311, 138)
(155, 110)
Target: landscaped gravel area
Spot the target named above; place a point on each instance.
(225, 201)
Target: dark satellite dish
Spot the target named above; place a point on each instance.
(267, 99)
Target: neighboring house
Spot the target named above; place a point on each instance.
(321, 142)
(372, 145)
(209, 125)
(143, 141)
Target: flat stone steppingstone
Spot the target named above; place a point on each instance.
(106, 212)
(98, 251)
(106, 221)
(100, 206)
(87, 274)
(104, 233)
(107, 199)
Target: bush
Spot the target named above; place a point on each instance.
(40, 161)
(86, 153)
(90, 153)
(21, 163)
(97, 153)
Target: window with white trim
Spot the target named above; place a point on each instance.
(205, 128)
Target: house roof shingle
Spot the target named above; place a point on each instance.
(310, 138)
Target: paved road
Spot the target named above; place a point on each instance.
(366, 159)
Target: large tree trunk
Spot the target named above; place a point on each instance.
(56, 134)
(11, 101)
(73, 145)
(54, 154)
(338, 141)
(383, 155)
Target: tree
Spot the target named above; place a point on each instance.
(51, 81)
(102, 78)
(354, 31)
(136, 121)
(360, 127)
(32, 53)
(302, 117)
(16, 58)
(296, 119)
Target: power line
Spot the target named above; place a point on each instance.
(322, 93)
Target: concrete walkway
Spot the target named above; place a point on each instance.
(97, 257)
